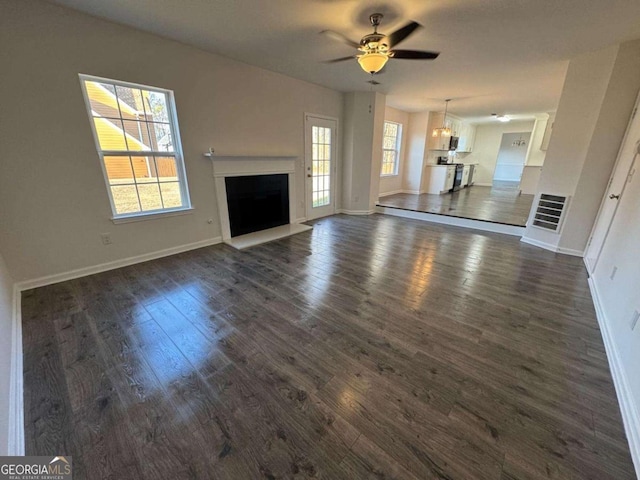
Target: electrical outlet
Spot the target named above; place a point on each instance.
(634, 319)
(106, 238)
(613, 272)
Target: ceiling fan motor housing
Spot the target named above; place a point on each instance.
(374, 42)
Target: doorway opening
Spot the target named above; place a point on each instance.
(511, 160)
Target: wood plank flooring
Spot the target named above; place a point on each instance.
(501, 203)
(368, 348)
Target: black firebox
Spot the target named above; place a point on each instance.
(257, 202)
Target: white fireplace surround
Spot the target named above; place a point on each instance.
(239, 166)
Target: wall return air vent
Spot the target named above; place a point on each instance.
(550, 211)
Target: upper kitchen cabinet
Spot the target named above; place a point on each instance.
(547, 132)
(439, 140)
(467, 138)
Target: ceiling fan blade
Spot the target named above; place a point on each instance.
(342, 59)
(340, 38)
(399, 35)
(415, 54)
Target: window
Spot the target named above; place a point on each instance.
(136, 132)
(391, 139)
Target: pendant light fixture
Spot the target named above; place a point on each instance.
(519, 143)
(443, 130)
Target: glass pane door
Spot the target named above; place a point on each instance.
(321, 166)
(320, 155)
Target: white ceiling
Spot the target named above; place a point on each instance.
(503, 56)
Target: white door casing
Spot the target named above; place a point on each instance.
(320, 165)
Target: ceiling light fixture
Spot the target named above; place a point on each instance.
(375, 49)
(501, 118)
(373, 61)
(443, 130)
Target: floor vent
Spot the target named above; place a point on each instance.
(550, 211)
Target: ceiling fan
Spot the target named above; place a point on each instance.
(377, 48)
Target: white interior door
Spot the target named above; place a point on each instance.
(320, 165)
(623, 172)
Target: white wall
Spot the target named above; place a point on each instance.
(362, 150)
(487, 146)
(595, 106)
(6, 324)
(54, 200)
(619, 297)
(394, 183)
(511, 158)
(613, 119)
(416, 144)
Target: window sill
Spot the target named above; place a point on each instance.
(389, 175)
(141, 217)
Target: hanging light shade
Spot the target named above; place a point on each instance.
(443, 130)
(372, 62)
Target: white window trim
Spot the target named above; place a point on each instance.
(144, 216)
(396, 150)
(177, 153)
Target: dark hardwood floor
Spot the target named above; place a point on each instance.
(501, 203)
(368, 348)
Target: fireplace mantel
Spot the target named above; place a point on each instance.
(243, 165)
(237, 165)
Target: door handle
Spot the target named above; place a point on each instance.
(614, 197)
(309, 175)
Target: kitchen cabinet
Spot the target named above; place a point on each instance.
(437, 179)
(439, 140)
(465, 175)
(459, 128)
(547, 132)
(467, 138)
(451, 176)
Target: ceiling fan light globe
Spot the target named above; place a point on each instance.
(372, 62)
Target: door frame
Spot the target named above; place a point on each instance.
(334, 167)
(591, 266)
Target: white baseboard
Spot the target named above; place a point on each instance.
(413, 192)
(16, 441)
(477, 184)
(16, 399)
(392, 192)
(571, 251)
(124, 262)
(587, 263)
(356, 212)
(628, 407)
(552, 248)
(454, 221)
(300, 220)
(538, 243)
